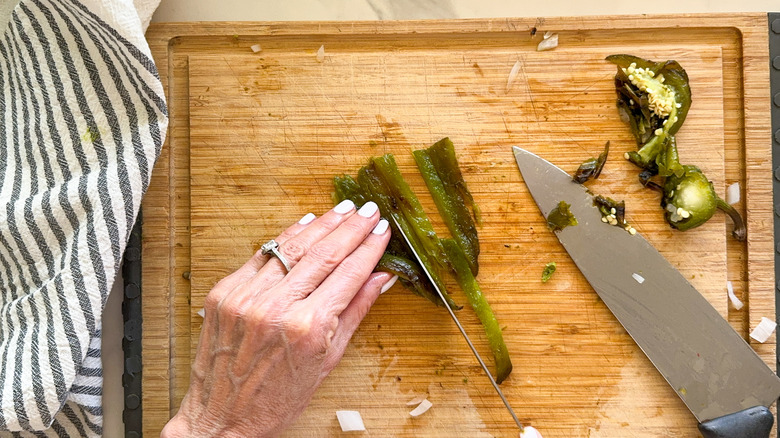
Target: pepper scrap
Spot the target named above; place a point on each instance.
(547, 273)
(561, 217)
(613, 212)
(591, 168)
(654, 98)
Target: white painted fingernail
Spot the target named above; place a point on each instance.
(388, 285)
(307, 219)
(344, 206)
(381, 227)
(368, 209)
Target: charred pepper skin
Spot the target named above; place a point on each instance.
(592, 167)
(654, 98)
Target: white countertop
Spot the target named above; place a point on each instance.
(265, 10)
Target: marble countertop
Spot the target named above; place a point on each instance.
(271, 10)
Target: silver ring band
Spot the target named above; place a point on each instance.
(273, 248)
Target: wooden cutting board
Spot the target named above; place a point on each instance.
(255, 139)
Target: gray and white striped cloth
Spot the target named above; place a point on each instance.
(83, 120)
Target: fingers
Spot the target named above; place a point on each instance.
(296, 247)
(339, 288)
(253, 265)
(324, 256)
(353, 314)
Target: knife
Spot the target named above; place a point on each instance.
(718, 376)
(460, 327)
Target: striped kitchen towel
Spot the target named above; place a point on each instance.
(83, 120)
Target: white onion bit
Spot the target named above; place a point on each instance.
(256, 48)
(763, 330)
(350, 421)
(513, 75)
(732, 194)
(321, 53)
(548, 34)
(639, 279)
(415, 401)
(202, 312)
(530, 432)
(736, 302)
(421, 409)
(548, 43)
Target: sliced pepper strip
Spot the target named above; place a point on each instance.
(442, 155)
(481, 307)
(347, 188)
(449, 201)
(396, 200)
(410, 274)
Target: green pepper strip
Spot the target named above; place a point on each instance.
(410, 274)
(395, 199)
(451, 206)
(347, 188)
(443, 157)
(481, 307)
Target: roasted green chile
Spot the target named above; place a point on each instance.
(481, 307)
(441, 172)
(654, 99)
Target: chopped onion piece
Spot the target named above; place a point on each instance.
(736, 302)
(256, 48)
(732, 194)
(202, 312)
(415, 401)
(513, 75)
(548, 34)
(639, 279)
(350, 421)
(530, 432)
(321, 53)
(421, 409)
(763, 330)
(548, 43)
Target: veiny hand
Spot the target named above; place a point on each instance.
(269, 337)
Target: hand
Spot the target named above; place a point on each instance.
(269, 337)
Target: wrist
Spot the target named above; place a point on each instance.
(176, 428)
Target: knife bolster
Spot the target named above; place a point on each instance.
(755, 422)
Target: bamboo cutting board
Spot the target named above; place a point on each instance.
(255, 139)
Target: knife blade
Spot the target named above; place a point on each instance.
(460, 327)
(718, 376)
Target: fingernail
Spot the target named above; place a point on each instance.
(381, 227)
(368, 209)
(344, 206)
(307, 219)
(388, 285)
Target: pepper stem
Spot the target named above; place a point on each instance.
(740, 231)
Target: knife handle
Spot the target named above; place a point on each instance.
(753, 422)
